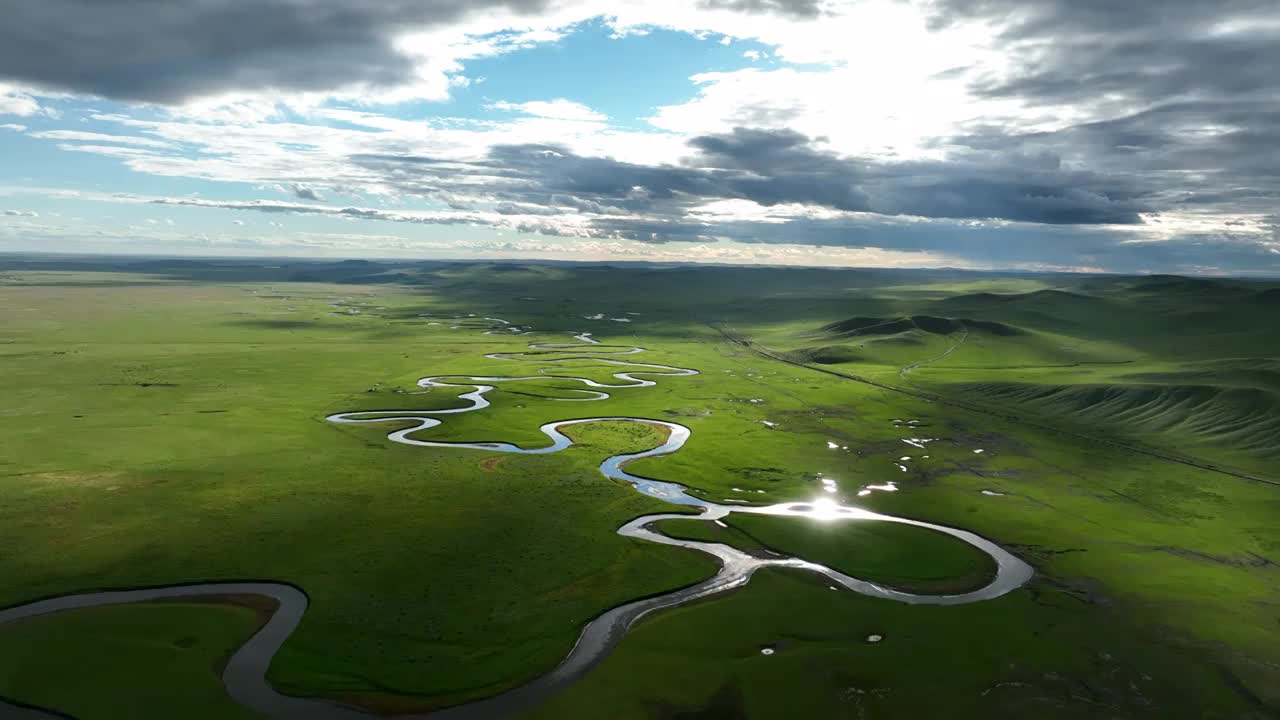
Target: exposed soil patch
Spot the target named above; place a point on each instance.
(1246, 560)
(987, 441)
(687, 412)
(725, 704)
(491, 464)
(765, 474)
(105, 479)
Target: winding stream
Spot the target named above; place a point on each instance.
(245, 672)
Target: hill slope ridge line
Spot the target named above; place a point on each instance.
(861, 326)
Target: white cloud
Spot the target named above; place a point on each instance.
(566, 224)
(296, 153)
(843, 33)
(101, 137)
(558, 109)
(14, 101)
(878, 78)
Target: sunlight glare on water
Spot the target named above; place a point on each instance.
(825, 510)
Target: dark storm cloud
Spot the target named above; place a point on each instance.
(1000, 188)
(782, 166)
(171, 50)
(1055, 17)
(1065, 216)
(555, 169)
(1205, 155)
(1183, 90)
(788, 168)
(303, 192)
(793, 8)
(1185, 96)
(1144, 51)
(731, 167)
(773, 167)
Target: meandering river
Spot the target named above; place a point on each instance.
(245, 672)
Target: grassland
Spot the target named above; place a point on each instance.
(67, 662)
(163, 424)
(150, 447)
(1022, 655)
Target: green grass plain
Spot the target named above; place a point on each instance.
(64, 661)
(164, 423)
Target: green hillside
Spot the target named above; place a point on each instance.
(1244, 421)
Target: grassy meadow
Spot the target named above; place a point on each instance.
(164, 424)
(63, 661)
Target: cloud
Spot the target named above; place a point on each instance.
(1206, 155)
(998, 245)
(16, 102)
(94, 137)
(234, 51)
(1117, 53)
(359, 213)
(751, 184)
(348, 244)
(303, 192)
(1125, 134)
(174, 51)
(1177, 96)
(779, 167)
(800, 235)
(558, 109)
(795, 8)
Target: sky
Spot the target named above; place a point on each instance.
(1059, 135)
